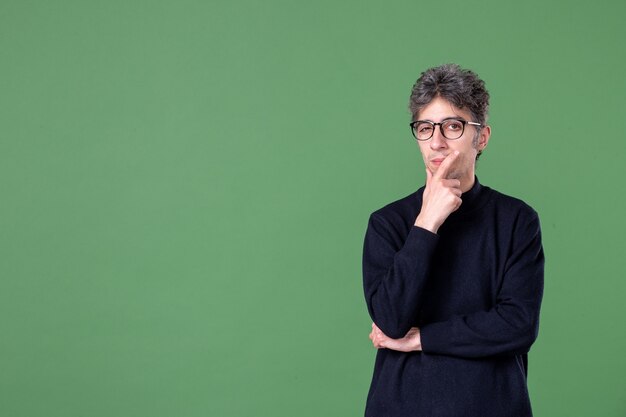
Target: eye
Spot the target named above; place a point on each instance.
(453, 125)
(424, 128)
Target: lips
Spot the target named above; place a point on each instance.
(437, 160)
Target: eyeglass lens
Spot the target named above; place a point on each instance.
(451, 129)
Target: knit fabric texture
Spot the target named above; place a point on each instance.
(474, 289)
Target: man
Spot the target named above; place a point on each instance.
(453, 273)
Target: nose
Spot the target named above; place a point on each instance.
(438, 141)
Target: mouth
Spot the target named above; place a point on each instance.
(438, 160)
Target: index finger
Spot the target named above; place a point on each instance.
(444, 168)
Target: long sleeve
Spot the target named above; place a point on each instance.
(474, 289)
(511, 325)
(394, 273)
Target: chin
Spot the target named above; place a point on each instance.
(431, 167)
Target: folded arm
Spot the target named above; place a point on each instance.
(512, 324)
(394, 274)
(510, 327)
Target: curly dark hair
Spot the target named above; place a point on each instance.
(461, 87)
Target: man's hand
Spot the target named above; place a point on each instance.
(442, 196)
(410, 342)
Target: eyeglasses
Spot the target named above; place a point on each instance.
(449, 128)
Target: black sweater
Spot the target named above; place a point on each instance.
(474, 290)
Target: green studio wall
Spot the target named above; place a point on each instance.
(185, 187)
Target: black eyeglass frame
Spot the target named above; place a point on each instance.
(433, 124)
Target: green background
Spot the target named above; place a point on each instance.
(185, 186)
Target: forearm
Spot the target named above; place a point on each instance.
(476, 335)
(486, 333)
(394, 282)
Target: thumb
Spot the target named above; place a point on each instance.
(445, 166)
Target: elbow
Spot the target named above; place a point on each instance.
(526, 336)
(393, 329)
(532, 331)
(392, 319)
(523, 324)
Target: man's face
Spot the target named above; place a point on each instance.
(438, 147)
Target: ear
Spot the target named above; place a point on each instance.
(483, 138)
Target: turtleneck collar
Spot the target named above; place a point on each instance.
(471, 196)
(472, 199)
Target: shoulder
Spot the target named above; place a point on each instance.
(509, 201)
(512, 208)
(398, 217)
(401, 209)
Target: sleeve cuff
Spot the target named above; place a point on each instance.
(421, 240)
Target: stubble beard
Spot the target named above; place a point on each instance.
(456, 173)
